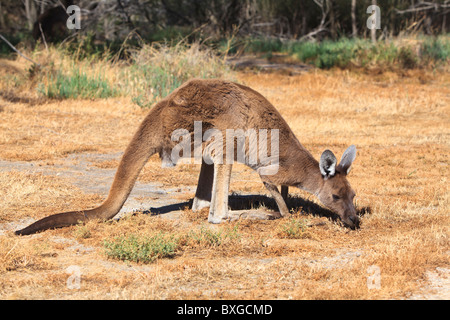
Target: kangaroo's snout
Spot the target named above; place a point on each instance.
(352, 222)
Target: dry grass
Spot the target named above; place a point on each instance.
(400, 126)
(30, 193)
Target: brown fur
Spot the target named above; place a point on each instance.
(221, 105)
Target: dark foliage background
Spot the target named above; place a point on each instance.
(113, 20)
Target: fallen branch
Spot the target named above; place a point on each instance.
(20, 53)
(43, 36)
(423, 6)
(325, 8)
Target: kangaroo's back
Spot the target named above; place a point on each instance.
(223, 104)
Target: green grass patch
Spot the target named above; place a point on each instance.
(77, 83)
(436, 49)
(350, 53)
(145, 249)
(212, 238)
(293, 228)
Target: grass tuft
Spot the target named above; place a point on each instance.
(141, 249)
(293, 228)
(210, 238)
(77, 84)
(147, 249)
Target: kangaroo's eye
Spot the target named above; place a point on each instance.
(336, 197)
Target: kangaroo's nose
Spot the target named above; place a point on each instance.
(354, 220)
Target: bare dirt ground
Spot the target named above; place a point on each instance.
(61, 155)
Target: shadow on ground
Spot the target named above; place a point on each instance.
(248, 202)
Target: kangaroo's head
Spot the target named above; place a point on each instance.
(336, 193)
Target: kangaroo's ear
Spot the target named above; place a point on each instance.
(327, 164)
(347, 159)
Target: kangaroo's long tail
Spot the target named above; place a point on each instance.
(144, 144)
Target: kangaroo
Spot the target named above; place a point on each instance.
(221, 105)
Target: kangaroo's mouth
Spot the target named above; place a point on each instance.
(352, 222)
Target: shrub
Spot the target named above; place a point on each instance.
(407, 58)
(347, 53)
(436, 49)
(141, 249)
(147, 249)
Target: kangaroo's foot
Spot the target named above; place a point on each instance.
(258, 214)
(199, 204)
(284, 211)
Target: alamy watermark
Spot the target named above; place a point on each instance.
(74, 20)
(74, 280)
(252, 147)
(374, 21)
(373, 277)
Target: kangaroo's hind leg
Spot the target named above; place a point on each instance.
(204, 187)
(218, 211)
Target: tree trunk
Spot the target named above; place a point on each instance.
(373, 31)
(444, 22)
(2, 18)
(333, 28)
(353, 13)
(30, 11)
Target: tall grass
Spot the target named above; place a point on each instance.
(437, 49)
(153, 71)
(350, 53)
(76, 83)
(156, 70)
(150, 74)
(64, 74)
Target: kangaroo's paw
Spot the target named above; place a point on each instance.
(199, 204)
(253, 215)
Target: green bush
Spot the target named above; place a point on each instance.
(407, 58)
(141, 249)
(348, 53)
(77, 84)
(436, 49)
